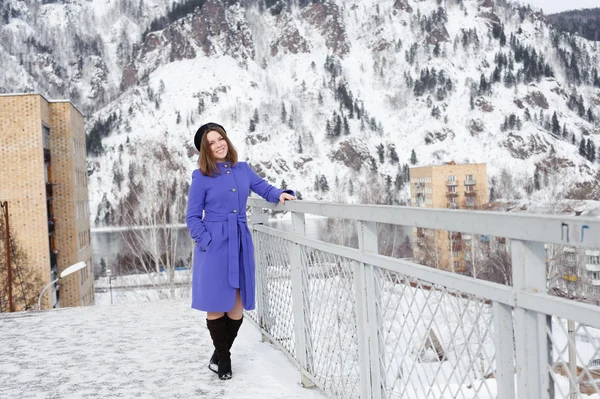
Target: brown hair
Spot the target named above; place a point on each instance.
(206, 161)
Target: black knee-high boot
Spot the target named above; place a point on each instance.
(220, 338)
(233, 326)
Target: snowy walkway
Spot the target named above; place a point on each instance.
(137, 350)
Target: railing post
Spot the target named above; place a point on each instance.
(262, 307)
(367, 242)
(360, 298)
(505, 355)
(298, 289)
(531, 341)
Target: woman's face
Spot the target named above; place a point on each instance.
(217, 144)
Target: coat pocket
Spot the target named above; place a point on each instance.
(203, 244)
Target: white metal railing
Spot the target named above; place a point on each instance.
(362, 325)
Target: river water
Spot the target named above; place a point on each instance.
(111, 245)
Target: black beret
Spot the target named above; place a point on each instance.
(202, 130)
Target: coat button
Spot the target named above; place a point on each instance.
(228, 172)
(234, 190)
(225, 165)
(235, 211)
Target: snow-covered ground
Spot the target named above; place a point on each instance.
(135, 350)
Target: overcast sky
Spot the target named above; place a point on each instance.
(553, 6)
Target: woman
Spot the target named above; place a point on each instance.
(223, 275)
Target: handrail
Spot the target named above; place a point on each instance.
(517, 226)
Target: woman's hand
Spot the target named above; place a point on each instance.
(286, 197)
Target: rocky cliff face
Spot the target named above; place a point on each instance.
(334, 92)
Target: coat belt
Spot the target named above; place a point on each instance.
(236, 227)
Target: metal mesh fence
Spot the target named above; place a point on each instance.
(575, 359)
(423, 340)
(330, 318)
(437, 342)
(274, 277)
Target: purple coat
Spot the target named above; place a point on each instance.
(224, 254)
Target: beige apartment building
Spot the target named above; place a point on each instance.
(43, 177)
(450, 186)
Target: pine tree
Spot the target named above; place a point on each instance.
(393, 155)
(255, 118)
(483, 84)
(323, 184)
(413, 157)
(380, 152)
(317, 184)
(590, 115)
(283, 185)
(373, 164)
(555, 124)
(328, 130)
(565, 132)
(536, 179)
(300, 149)
(337, 128)
(582, 148)
(283, 113)
(252, 126)
(346, 126)
(388, 189)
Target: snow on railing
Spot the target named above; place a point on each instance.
(362, 325)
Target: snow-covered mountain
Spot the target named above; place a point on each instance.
(328, 97)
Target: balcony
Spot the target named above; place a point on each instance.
(471, 193)
(571, 277)
(595, 282)
(457, 245)
(452, 205)
(470, 182)
(452, 194)
(451, 183)
(46, 155)
(420, 185)
(592, 268)
(49, 190)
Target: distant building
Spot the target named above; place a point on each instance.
(446, 186)
(43, 176)
(575, 271)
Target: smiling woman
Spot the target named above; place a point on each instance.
(223, 271)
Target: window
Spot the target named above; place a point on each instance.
(470, 189)
(452, 200)
(451, 178)
(451, 189)
(469, 178)
(592, 260)
(46, 136)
